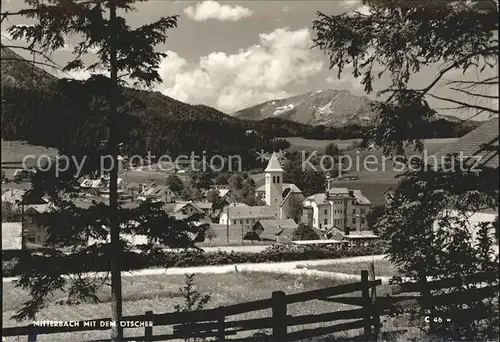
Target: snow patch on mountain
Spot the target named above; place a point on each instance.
(325, 107)
(283, 109)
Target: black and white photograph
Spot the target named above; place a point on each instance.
(300, 170)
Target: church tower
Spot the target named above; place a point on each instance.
(274, 181)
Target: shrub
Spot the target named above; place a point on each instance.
(305, 232)
(193, 258)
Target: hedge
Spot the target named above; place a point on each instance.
(190, 258)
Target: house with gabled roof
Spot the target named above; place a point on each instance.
(241, 215)
(185, 209)
(272, 230)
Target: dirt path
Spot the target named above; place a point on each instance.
(279, 267)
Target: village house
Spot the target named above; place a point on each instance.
(341, 208)
(156, 193)
(271, 230)
(240, 215)
(186, 209)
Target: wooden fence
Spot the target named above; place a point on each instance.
(432, 295)
(214, 322)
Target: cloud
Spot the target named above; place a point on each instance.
(346, 81)
(234, 81)
(213, 10)
(355, 6)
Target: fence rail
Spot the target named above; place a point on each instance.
(215, 323)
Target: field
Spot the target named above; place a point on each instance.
(371, 167)
(383, 268)
(309, 145)
(13, 153)
(160, 294)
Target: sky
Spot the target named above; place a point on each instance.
(234, 54)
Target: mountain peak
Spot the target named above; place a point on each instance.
(321, 107)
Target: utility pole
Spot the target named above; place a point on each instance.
(227, 225)
(116, 281)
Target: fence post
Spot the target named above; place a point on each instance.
(148, 331)
(279, 315)
(221, 320)
(32, 334)
(367, 324)
(376, 310)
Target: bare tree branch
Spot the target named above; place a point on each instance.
(488, 81)
(474, 94)
(465, 105)
(34, 62)
(45, 56)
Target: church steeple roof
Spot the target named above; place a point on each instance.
(274, 164)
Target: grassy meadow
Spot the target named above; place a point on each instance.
(161, 292)
(13, 153)
(310, 145)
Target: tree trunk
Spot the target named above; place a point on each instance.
(116, 281)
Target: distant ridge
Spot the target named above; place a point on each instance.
(335, 108)
(18, 72)
(323, 107)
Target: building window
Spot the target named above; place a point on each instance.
(234, 221)
(353, 202)
(362, 211)
(326, 212)
(362, 221)
(325, 221)
(354, 220)
(354, 211)
(278, 179)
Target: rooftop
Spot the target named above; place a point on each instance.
(480, 143)
(250, 212)
(274, 164)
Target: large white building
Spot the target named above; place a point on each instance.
(339, 208)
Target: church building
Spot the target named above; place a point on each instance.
(282, 198)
